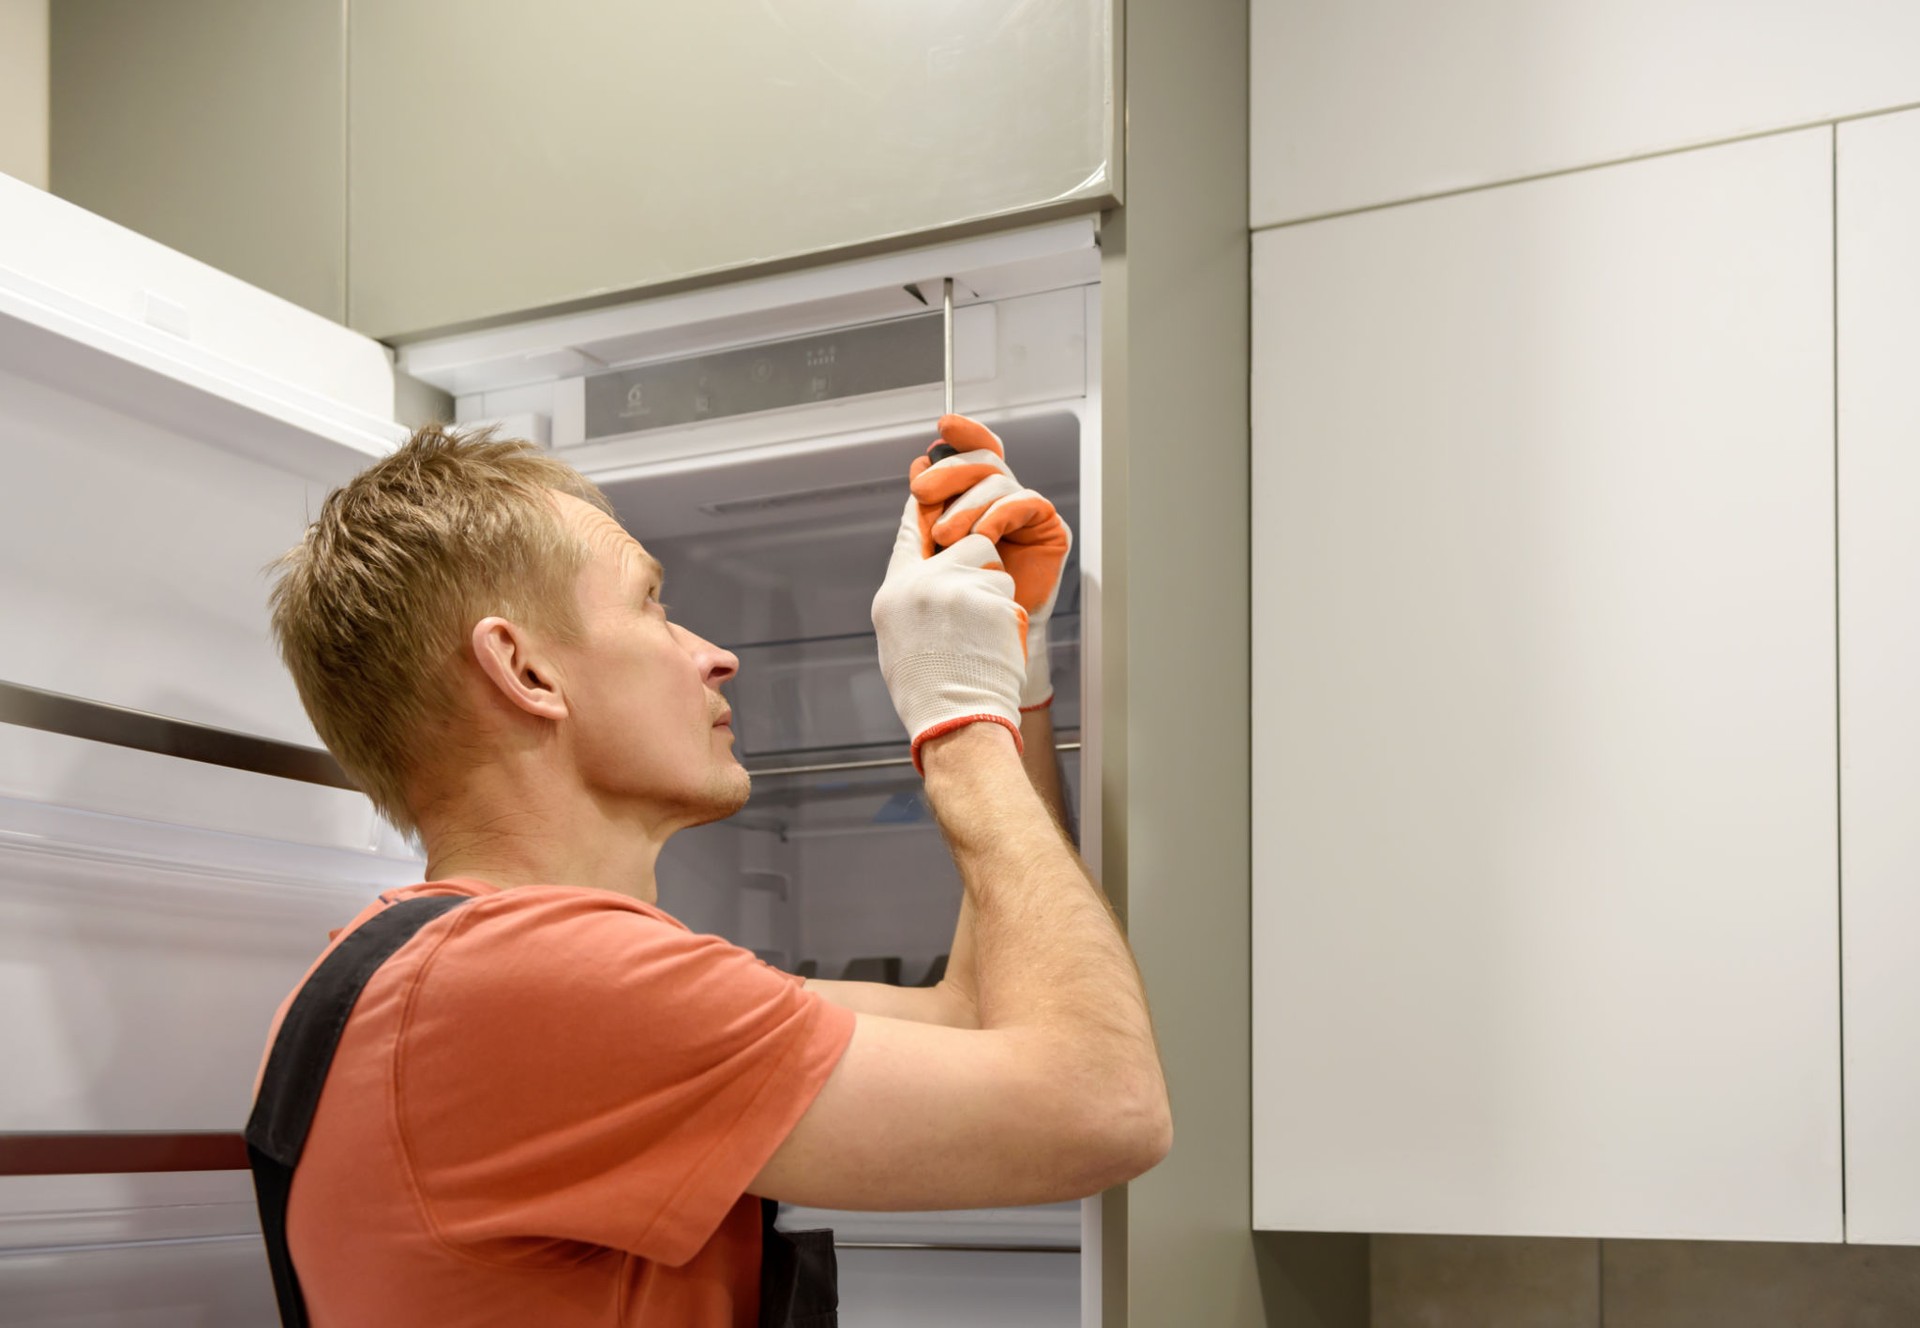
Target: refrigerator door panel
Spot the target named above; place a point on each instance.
(166, 431)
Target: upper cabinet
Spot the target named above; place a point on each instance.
(411, 166)
(217, 127)
(507, 157)
(1544, 839)
(1879, 275)
(1361, 102)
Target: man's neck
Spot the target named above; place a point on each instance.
(558, 842)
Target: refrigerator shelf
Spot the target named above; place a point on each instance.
(842, 767)
(134, 856)
(822, 695)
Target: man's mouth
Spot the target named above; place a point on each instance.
(725, 721)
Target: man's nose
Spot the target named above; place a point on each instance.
(716, 665)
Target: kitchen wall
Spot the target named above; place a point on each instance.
(23, 90)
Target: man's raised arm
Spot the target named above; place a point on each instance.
(1059, 1093)
(954, 1000)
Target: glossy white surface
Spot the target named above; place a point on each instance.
(1359, 102)
(1545, 885)
(132, 562)
(1879, 218)
(154, 911)
(141, 963)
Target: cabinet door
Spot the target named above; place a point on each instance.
(1879, 338)
(1361, 102)
(508, 156)
(1545, 883)
(217, 127)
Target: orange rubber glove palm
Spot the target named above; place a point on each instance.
(964, 487)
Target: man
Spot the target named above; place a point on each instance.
(556, 1105)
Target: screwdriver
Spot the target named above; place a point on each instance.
(944, 450)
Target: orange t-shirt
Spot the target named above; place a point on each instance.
(545, 1110)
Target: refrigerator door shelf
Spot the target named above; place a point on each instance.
(147, 958)
(809, 700)
(120, 848)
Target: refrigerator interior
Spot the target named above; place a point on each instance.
(830, 871)
(774, 527)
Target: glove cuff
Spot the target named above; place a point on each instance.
(947, 726)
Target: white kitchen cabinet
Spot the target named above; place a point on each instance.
(1878, 218)
(1545, 923)
(1361, 102)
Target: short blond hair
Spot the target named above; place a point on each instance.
(374, 606)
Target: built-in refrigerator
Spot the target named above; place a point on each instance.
(165, 431)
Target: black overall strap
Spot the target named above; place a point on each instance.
(297, 1071)
(799, 1276)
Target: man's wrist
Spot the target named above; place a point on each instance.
(978, 788)
(972, 747)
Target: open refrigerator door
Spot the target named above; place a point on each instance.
(166, 431)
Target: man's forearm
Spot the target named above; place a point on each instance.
(1046, 951)
(956, 1000)
(1042, 764)
(1041, 758)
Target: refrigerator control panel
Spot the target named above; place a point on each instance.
(827, 366)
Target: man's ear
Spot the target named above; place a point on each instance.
(523, 674)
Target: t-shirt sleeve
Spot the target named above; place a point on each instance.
(572, 1068)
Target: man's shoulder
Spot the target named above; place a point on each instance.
(533, 905)
(538, 943)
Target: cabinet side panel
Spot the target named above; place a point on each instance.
(1879, 339)
(1545, 878)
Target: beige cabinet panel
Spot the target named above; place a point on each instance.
(1360, 102)
(507, 157)
(217, 127)
(1545, 891)
(1878, 220)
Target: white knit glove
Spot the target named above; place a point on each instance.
(964, 487)
(952, 639)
